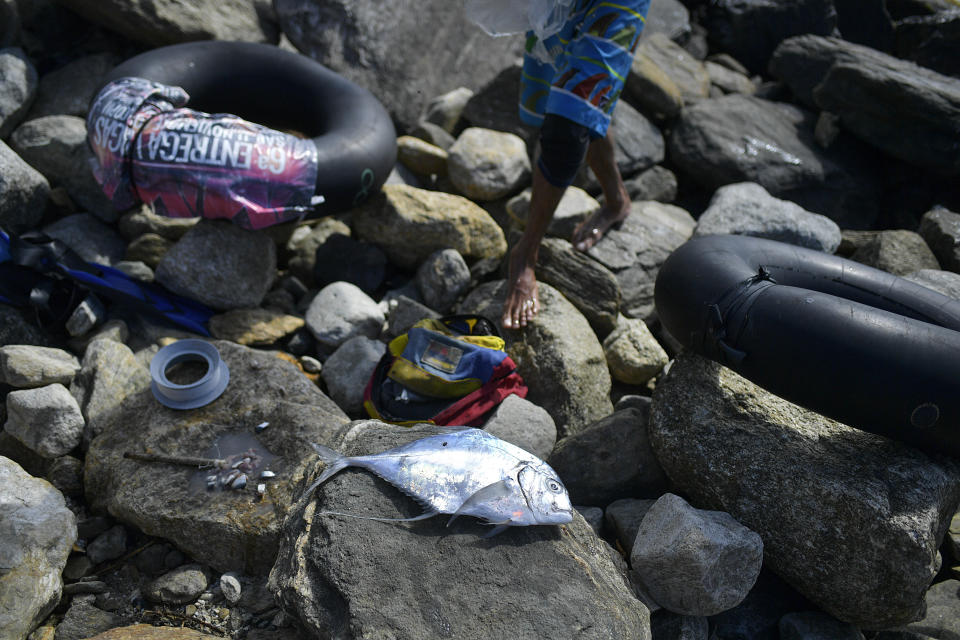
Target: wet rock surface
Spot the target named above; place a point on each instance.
(824, 123)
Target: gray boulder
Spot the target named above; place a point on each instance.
(37, 532)
(494, 105)
(69, 90)
(357, 39)
(403, 312)
(638, 145)
(592, 288)
(221, 265)
(695, 562)
(56, 146)
(422, 157)
(729, 80)
(635, 251)
(158, 23)
(747, 209)
(896, 251)
(254, 327)
(180, 586)
(442, 278)
(486, 165)
(520, 422)
(850, 519)
(739, 138)
(575, 206)
(229, 530)
(109, 545)
(656, 183)
(341, 311)
(750, 30)
(347, 371)
(669, 17)
(921, 108)
(46, 419)
(942, 618)
(348, 577)
(304, 242)
(24, 192)
(558, 356)
(18, 87)
(609, 460)
(633, 354)
(110, 372)
(444, 111)
(683, 70)
(410, 224)
(84, 620)
(940, 229)
(93, 240)
(26, 366)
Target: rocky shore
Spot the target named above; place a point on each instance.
(707, 507)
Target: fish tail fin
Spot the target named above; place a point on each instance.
(333, 462)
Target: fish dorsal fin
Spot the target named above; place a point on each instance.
(484, 495)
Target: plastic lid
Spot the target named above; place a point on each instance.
(195, 394)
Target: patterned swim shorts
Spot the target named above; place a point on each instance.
(592, 57)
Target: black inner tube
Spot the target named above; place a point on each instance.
(870, 349)
(355, 137)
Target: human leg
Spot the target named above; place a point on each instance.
(616, 201)
(563, 145)
(582, 88)
(522, 302)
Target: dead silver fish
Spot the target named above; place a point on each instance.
(464, 472)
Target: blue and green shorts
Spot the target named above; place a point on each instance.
(592, 57)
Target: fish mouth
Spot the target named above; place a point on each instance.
(560, 517)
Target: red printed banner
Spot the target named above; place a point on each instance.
(187, 163)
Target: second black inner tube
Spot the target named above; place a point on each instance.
(870, 349)
(355, 137)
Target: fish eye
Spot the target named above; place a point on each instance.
(554, 486)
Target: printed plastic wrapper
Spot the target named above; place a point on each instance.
(149, 148)
(506, 17)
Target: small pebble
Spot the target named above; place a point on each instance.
(310, 364)
(267, 474)
(230, 586)
(260, 427)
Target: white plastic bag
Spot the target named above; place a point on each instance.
(507, 17)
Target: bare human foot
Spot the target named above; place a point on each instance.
(522, 303)
(590, 231)
(602, 160)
